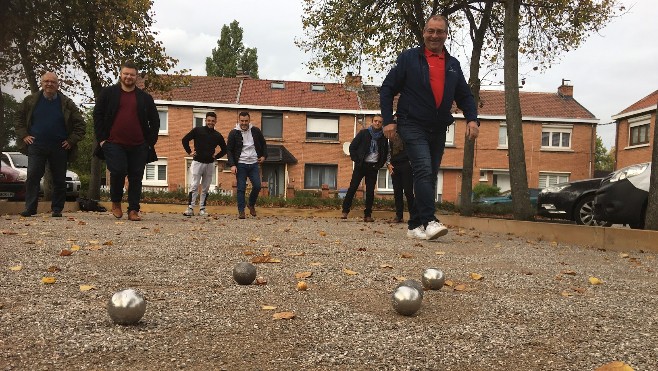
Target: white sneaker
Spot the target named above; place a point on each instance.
(203, 212)
(189, 212)
(418, 232)
(435, 230)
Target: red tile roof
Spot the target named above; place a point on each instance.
(298, 94)
(649, 101)
(204, 89)
(534, 104)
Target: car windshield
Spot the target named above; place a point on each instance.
(19, 160)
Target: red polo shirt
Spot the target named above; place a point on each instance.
(437, 63)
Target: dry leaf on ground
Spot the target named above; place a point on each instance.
(460, 287)
(449, 283)
(302, 286)
(301, 275)
(75, 247)
(48, 280)
(615, 366)
(595, 281)
(65, 252)
(268, 307)
(284, 315)
(405, 255)
(87, 287)
(388, 266)
(476, 276)
(350, 272)
(440, 253)
(16, 268)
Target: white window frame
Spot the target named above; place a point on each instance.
(335, 166)
(387, 187)
(450, 135)
(165, 112)
(552, 129)
(200, 113)
(637, 122)
(502, 127)
(483, 175)
(324, 126)
(156, 182)
(547, 179)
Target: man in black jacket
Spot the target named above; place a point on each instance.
(369, 151)
(126, 124)
(206, 140)
(246, 151)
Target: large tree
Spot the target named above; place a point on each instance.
(604, 159)
(341, 34)
(230, 55)
(70, 37)
(8, 108)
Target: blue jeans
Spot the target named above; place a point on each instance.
(125, 161)
(251, 171)
(364, 170)
(56, 157)
(425, 149)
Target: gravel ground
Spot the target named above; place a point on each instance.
(533, 309)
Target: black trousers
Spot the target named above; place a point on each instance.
(403, 182)
(367, 170)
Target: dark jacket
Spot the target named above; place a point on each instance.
(73, 121)
(106, 109)
(234, 145)
(360, 147)
(410, 78)
(205, 142)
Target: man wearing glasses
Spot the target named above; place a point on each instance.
(428, 80)
(49, 127)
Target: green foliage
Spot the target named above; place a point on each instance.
(82, 162)
(604, 160)
(485, 190)
(8, 123)
(230, 55)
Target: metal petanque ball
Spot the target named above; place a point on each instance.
(126, 307)
(415, 284)
(406, 300)
(244, 273)
(433, 278)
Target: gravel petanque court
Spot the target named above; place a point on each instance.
(509, 303)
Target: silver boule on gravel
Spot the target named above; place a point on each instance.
(406, 300)
(244, 273)
(433, 279)
(415, 284)
(126, 307)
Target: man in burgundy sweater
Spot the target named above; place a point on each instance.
(126, 124)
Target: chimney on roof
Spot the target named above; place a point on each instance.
(564, 90)
(353, 82)
(240, 74)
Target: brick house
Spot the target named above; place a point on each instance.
(309, 125)
(634, 131)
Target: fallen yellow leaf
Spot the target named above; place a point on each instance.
(284, 315)
(16, 268)
(440, 253)
(460, 287)
(386, 266)
(108, 243)
(615, 366)
(595, 281)
(75, 248)
(476, 276)
(48, 280)
(623, 255)
(323, 233)
(268, 307)
(566, 293)
(449, 283)
(86, 287)
(350, 272)
(53, 269)
(302, 286)
(301, 275)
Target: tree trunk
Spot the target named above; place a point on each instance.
(3, 126)
(516, 150)
(651, 216)
(466, 204)
(94, 192)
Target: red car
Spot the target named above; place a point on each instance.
(12, 183)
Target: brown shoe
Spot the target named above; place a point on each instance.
(134, 215)
(241, 215)
(344, 216)
(368, 219)
(116, 210)
(252, 210)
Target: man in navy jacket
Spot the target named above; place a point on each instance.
(428, 80)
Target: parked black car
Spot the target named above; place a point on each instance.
(623, 196)
(572, 201)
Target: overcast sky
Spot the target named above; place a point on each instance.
(609, 72)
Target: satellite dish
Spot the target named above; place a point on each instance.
(346, 148)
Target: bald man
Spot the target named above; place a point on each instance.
(49, 126)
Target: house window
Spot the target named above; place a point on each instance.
(450, 135)
(483, 176)
(549, 179)
(322, 128)
(164, 124)
(272, 124)
(384, 181)
(317, 175)
(278, 85)
(188, 164)
(155, 173)
(318, 87)
(556, 136)
(502, 135)
(639, 131)
(199, 119)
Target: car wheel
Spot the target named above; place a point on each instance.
(584, 213)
